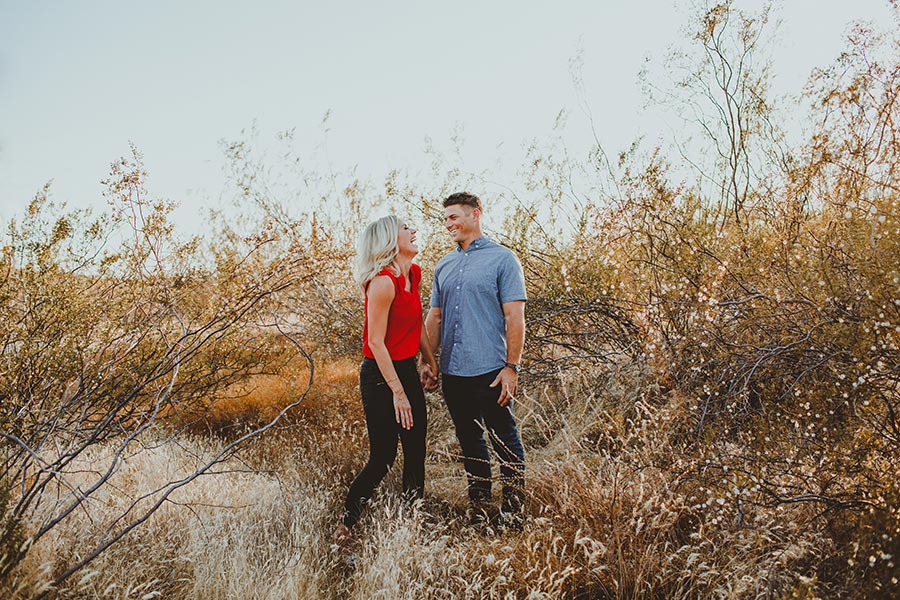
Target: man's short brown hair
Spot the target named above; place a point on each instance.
(464, 198)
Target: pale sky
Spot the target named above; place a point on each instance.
(79, 80)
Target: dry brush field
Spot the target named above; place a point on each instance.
(710, 404)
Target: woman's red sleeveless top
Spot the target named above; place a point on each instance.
(404, 326)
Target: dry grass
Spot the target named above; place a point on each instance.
(259, 398)
(615, 510)
(239, 534)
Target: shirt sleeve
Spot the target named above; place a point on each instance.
(512, 280)
(435, 290)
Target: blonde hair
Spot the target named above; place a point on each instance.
(376, 248)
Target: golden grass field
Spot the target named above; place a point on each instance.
(606, 514)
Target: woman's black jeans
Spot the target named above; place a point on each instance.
(381, 423)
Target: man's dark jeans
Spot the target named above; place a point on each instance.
(474, 409)
(381, 423)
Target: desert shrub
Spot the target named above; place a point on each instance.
(107, 343)
(768, 308)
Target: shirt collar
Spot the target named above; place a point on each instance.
(476, 244)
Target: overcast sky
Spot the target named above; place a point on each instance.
(79, 80)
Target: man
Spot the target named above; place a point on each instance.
(477, 318)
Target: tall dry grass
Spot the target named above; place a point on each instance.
(234, 534)
(612, 512)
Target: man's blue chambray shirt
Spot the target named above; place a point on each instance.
(470, 287)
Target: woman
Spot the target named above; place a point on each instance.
(392, 395)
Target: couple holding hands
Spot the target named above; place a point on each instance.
(476, 321)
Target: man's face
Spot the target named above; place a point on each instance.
(461, 221)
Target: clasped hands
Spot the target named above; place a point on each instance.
(429, 376)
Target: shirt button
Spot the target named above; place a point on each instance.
(457, 287)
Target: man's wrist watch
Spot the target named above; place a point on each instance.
(514, 366)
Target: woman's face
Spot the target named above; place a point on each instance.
(406, 240)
